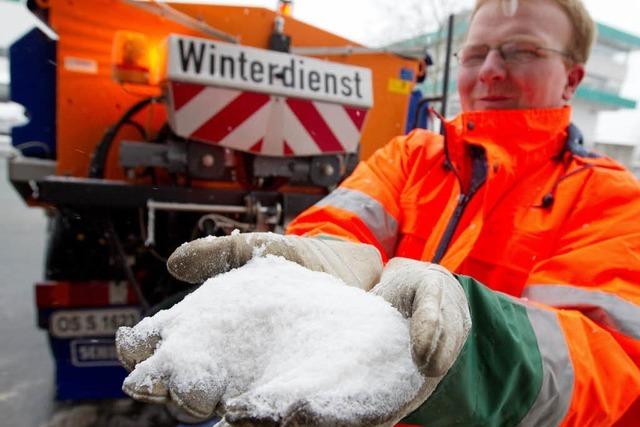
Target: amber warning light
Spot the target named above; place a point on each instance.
(285, 7)
(132, 58)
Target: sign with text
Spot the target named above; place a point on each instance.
(91, 322)
(94, 352)
(214, 63)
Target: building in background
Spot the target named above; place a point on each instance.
(15, 21)
(5, 122)
(599, 93)
(618, 135)
(11, 114)
(4, 75)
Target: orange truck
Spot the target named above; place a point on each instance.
(155, 123)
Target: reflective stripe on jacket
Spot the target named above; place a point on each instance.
(511, 202)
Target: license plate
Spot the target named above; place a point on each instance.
(93, 352)
(91, 323)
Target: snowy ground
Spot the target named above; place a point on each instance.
(5, 145)
(11, 114)
(26, 375)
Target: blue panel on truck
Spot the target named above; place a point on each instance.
(87, 368)
(32, 64)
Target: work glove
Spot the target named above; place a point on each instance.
(437, 308)
(356, 264)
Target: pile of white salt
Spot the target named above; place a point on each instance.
(273, 333)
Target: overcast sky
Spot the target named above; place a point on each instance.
(351, 17)
(356, 19)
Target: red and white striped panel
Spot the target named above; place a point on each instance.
(263, 124)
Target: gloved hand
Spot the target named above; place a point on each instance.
(305, 350)
(357, 264)
(437, 307)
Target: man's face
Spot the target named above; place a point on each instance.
(545, 82)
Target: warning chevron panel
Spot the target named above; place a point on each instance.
(262, 123)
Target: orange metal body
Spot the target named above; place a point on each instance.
(89, 100)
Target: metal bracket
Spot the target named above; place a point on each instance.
(264, 215)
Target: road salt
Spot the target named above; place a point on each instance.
(273, 333)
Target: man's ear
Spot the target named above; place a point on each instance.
(575, 74)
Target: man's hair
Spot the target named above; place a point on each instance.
(584, 29)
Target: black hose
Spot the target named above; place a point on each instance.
(99, 158)
(122, 256)
(137, 126)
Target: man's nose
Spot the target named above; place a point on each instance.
(493, 68)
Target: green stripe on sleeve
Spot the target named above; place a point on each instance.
(498, 374)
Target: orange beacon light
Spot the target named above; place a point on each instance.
(131, 58)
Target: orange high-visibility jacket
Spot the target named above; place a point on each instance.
(512, 199)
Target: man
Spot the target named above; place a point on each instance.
(509, 198)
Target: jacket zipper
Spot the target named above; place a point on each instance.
(479, 176)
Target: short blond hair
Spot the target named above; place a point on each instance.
(584, 29)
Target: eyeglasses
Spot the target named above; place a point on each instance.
(512, 53)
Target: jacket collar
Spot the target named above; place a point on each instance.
(515, 140)
(515, 143)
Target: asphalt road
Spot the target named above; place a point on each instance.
(26, 364)
(26, 370)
